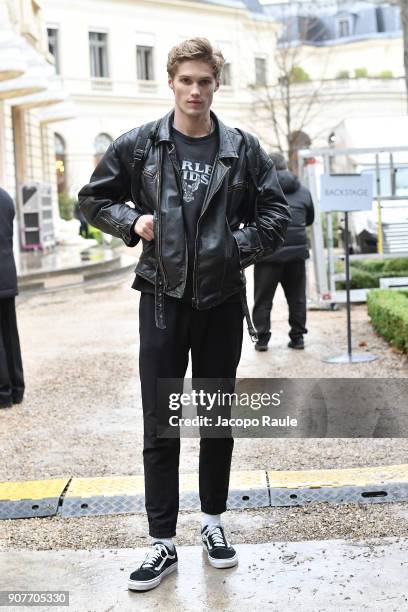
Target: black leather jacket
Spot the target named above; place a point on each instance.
(223, 245)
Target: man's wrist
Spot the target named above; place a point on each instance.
(133, 232)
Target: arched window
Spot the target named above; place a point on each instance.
(101, 143)
(60, 163)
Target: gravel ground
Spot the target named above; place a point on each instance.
(315, 522)
(82, 416)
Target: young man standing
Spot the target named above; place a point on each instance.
(201, 224)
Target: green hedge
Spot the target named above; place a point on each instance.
(388, 310)
(366, 273)
(94, 233)
(66, 206)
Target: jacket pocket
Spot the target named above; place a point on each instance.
(232, 265)
(235, 258)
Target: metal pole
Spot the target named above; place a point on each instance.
(379, 226)
(329, 219)
(349, 357)
(393, 177)
(328, 167)
(347, 262)
(317, 243)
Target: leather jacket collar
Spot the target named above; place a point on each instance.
(226, 146)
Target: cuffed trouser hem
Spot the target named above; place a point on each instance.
(213, 509)
(155, 533)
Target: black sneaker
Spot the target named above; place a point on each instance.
(261, 345)
(220, 552)
(159, 562)
(297, 343)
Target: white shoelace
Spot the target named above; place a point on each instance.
(154, 555)
(218, 539)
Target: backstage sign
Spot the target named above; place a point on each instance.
(346, 192)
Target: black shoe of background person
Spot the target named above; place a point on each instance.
(6, 403)
(17, 398)
(262, 344)
(296, 343)
(158, 563)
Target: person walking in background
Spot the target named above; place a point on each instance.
(11, 367)
(79, 215)
(287, 266)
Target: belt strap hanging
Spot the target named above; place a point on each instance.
(251, 329)
(159, 301)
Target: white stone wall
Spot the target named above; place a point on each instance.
(127, 102)
(33, 150)
(28, 142)
(375, 54)
(121, 102)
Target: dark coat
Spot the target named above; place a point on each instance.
(302, 210)
(8, 274)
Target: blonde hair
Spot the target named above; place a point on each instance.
(195, 49)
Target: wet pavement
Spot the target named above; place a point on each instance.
(63, 258)
(82, 417)
(70, 266)
(328, 576)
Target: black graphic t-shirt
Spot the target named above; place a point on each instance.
(196, 159)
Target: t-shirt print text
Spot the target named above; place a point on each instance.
(194, 174)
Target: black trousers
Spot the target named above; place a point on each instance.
(11, 367)
(292, 276)
(214, 337)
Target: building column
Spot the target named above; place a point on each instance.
(3, 181)
(49, 170)
(2, 145)
(19, 164)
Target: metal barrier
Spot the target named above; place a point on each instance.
(383, 163)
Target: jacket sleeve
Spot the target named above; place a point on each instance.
(103, 199)
(266, 230)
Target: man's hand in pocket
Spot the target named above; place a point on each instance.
(144, 227)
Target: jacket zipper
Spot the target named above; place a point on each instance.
(159, 237)
(204, 208)
(115, 224)
(180, 188)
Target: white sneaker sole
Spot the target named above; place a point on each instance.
(221, 563)
(146, 585)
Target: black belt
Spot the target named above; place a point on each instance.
(159, 304)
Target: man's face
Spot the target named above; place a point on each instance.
(194, 86)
